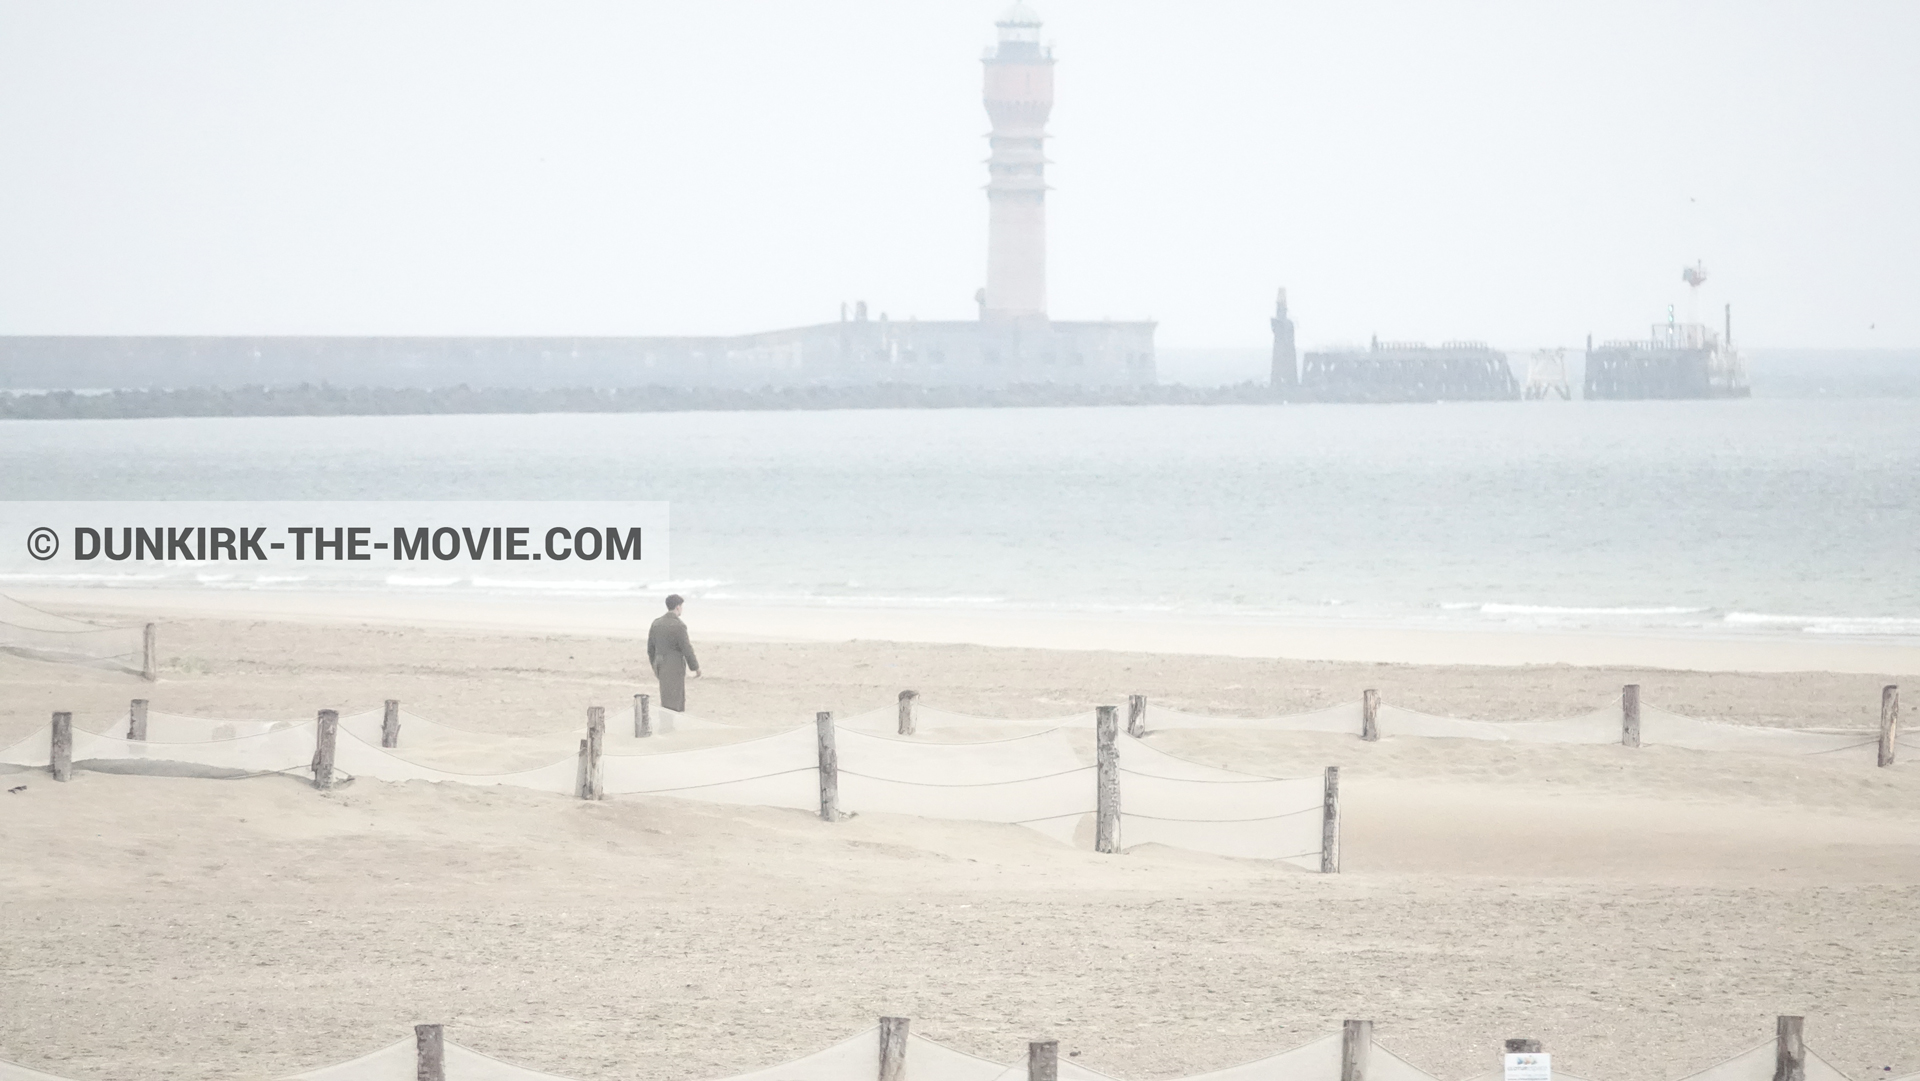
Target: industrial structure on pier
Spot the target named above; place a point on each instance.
(1409, 372)
(1678, 360)
(1684, 360)
(1388, 371)
(1013, 340)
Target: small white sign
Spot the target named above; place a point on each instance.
(1529, 1067)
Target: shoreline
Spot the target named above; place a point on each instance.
(1169, 634)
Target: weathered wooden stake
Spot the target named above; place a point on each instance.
(1356, 1044)
(893, 1047)
(1630, 715)
(1889, 723)
(580, 772)
(1043, 1060)
(1525, 1047)
(1330, 825)
(595, 788)
(829, 768)
(909, 711)
(149, 659)
(324, 736)
(429, 1053)
(137, 719)
(390, 724)
(1106, 828)
(60, 755)
(1136, 715)
(642, 716)
(1370, 715)
(1789, 1049)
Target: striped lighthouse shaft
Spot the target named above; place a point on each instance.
(1019, 95)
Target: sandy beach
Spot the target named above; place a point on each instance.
(1173, 633)
(1644, 912)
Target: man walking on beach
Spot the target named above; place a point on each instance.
(670, 653)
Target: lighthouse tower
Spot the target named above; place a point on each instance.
(1019, 95)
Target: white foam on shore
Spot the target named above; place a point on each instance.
(64, 579)
(559, 585)
(806, 600)
(1493, 608)
(1865, 625)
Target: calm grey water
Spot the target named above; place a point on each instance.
(1760, 516)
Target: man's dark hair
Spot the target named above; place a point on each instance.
(674, 600)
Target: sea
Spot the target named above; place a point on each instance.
(1748, 517)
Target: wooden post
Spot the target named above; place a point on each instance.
(893, 1046)
(1370, 715)
(137, 719)
(1043, 1060)
(596, 747)
(60, 755)
(909, 711)
(1356, 1044)
(580, 772)
(1789, 1049)
(1136, 715)
(642, 716)
(1330, 824)
(323, 739)
(1889, 723)
(1630, 715)
(1106, 829)
(149, 661)
(1525, 1047)
(390, 724)
(591, 786)
(429, 1053)
(829, 768)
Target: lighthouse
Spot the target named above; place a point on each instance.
(1019, 95)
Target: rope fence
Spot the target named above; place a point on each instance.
(889, 1051)
(1040, 781)
(1139, 794)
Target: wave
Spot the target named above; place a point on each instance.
(1502, 609)
(1863, 625)
(836, 600)
(559, 585)
(107, 579)
(1906, 628)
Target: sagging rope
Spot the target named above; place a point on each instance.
(1222, 821)
(966, 784)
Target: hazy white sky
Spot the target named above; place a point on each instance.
(1519, 172)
